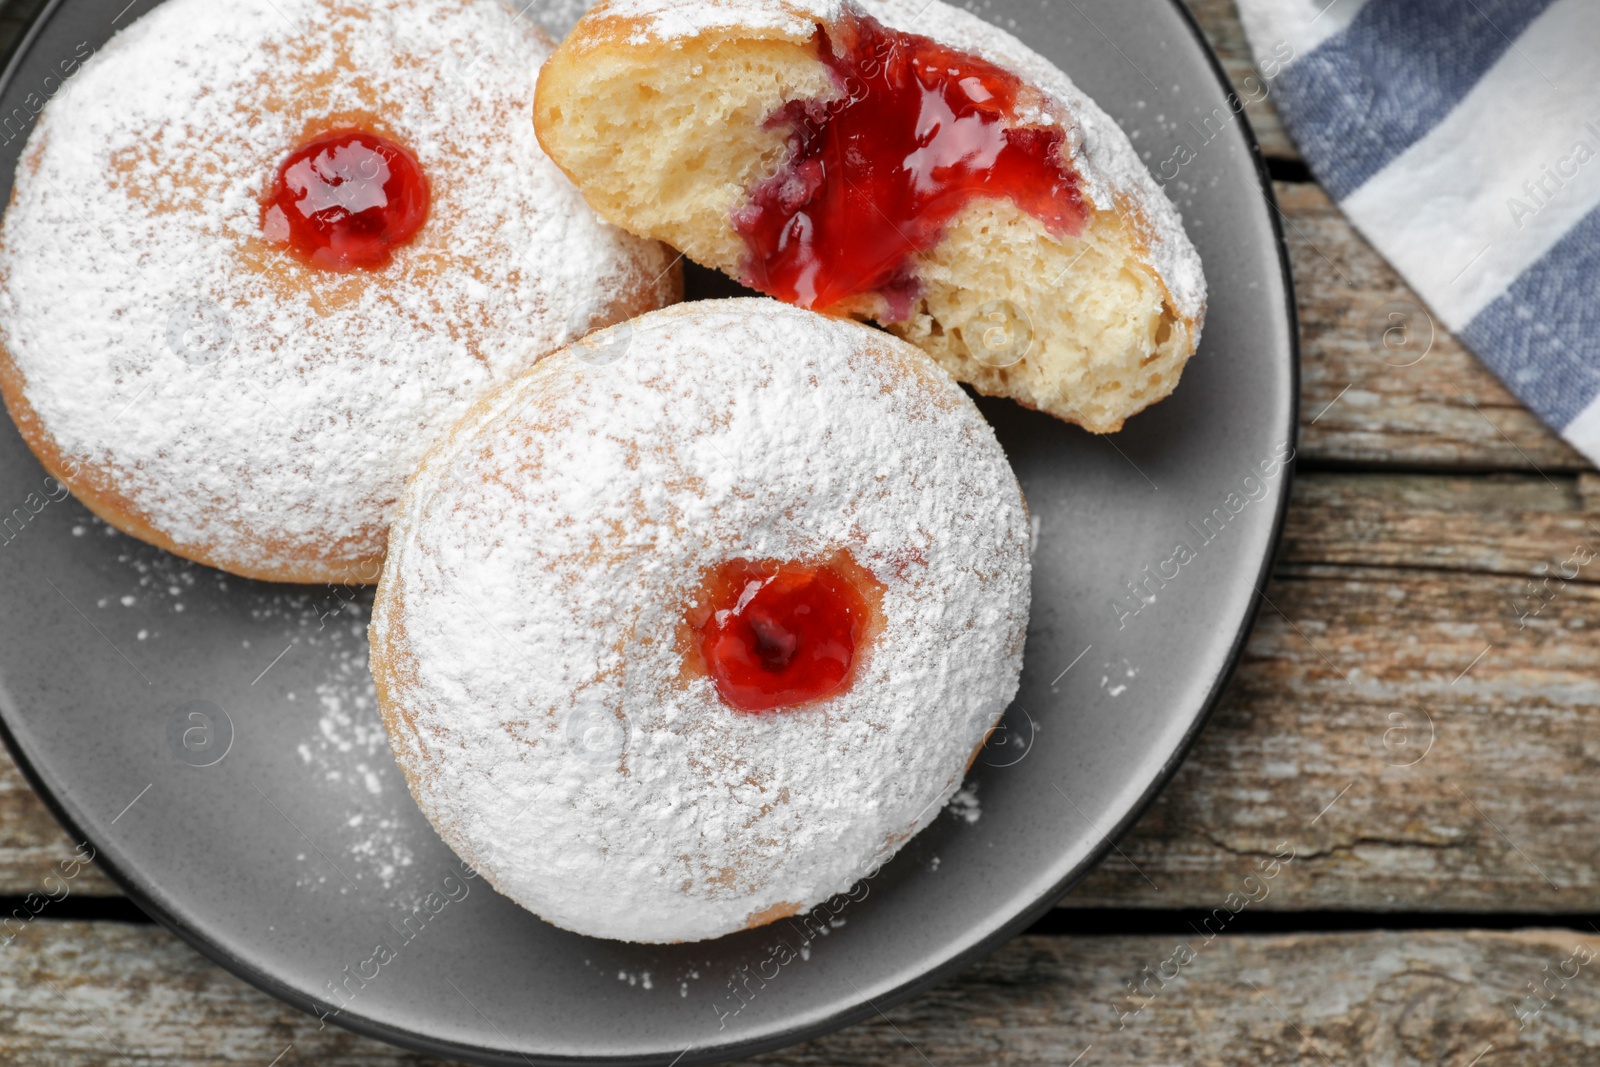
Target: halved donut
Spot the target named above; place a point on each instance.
(900, 160)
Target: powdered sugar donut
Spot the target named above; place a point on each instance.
(250, 387)
(702, 618)
(901, 160)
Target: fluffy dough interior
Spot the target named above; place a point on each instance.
(667, 139)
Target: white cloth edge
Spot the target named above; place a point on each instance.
(1444, 212)
(1301, 24)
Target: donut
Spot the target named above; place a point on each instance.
(260, 253)
(896, 160)
(694, 624)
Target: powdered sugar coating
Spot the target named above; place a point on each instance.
(525, 634)
(1114, 178)
(261, 415)
(666, 19)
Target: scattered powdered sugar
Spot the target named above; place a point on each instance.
(1105, 159)
(964, 805)
(258, 412)
(1112, 682)
(682, 976)
(526, 630)
(640, 979)
(348, 749)
(322, 633)
(350, 742)
(163, 580)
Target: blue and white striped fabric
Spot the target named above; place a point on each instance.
(1462, 137)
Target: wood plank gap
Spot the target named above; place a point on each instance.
(39, 907)
(1295, 171)
(1150, 922)
(1334, 465)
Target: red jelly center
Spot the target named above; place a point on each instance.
(777, 635)
(345, 201)
(875, 176)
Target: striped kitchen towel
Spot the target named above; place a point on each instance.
(1462, 137)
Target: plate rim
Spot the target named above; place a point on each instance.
(843, 1019)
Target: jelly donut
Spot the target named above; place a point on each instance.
(260, 252)
(697, 622)
(900, 160)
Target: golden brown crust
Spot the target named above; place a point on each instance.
(781, 910)
(96, 487)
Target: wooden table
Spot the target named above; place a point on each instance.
(1427, 746)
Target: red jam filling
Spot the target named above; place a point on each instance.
(775, 635)
(345, 201)
(877, 175)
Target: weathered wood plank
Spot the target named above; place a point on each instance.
(1383, 383)
(1390, 999)
(1220, 21)
(106, 993)
(33, 844)
(1402, 408)
(89, 994)
(1389, 588)
(1395, 619)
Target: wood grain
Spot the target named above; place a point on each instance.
(33, 844)
(76, 994)
(1219, 20)
(1383, 384)
(1393, 618)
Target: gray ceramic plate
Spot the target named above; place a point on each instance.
(217, 739)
